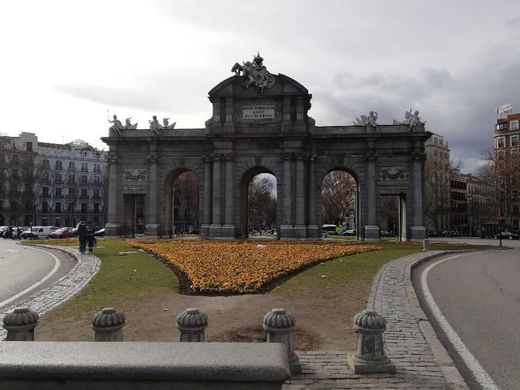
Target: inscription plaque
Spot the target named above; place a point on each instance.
(258, 112)
(135, 174)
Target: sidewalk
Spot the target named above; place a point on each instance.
(393, 297)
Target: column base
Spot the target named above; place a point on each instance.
(416, 233)
(313, 233)
(228, 231)
(204, 230)
(215, 230)
(152, 230)
(112, 229)
(299, 232)
(371, 233)
(286, 232)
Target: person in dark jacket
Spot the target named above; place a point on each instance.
(91, 239)
(82, 236)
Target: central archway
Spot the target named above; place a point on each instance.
(258, 204)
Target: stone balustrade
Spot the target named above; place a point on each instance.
(190, 363)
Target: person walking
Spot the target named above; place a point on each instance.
(91, 239)
(82, 236)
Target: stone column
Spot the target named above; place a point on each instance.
(108, 325)
(191, 324)
(152, 227)
(229, 126)
(286, 227)
(299, 196)
(228, 230)
(216, 111)
(20, 324)
(204, 228)
(216, 222)
(371, 228)
(312, 227)
(417, 230)
(113, 225)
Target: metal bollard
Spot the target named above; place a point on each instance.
(370, 354)
(191, 324)
(426, 245)
(278, 325)
(20, 324)
(108, 325)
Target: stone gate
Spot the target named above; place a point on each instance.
(260, 123)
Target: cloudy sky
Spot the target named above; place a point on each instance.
(66, 64)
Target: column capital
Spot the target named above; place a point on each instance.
(287, 156)
(112, 159)
(228, 157)
(152, 159)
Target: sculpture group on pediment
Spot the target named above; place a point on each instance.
(155, 126)
(411, 118)
(254, 73)
(117, 126)
(370, 119)
(129, 124)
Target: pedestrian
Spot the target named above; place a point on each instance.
(91, 238)
(82, 236)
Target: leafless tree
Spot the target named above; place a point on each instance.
(338, 197)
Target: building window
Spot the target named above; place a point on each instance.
(97, 168)
(58, 192)
(84, 208)
(96, 208)
(513, 125)
(83, 180)
(28, 146)
(45, 207)
(59, 179)
(57, 207)
(500, 142)
(96, 194)
(46, 163)
(84, 167)
(514, 140)
(45, 177)
(72, 165)
(59, 165)
(96, 179)
(45, 192)
(84, 193)
(44, 221)
(14, 159)
(72, 179)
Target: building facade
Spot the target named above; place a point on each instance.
(507, 168)
(56, 184)
(437, 184)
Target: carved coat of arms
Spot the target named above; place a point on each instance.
(254, 73)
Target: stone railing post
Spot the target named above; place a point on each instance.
(426, 245)
(108, 325)
(191, 324)
(370, 355)
(20, 324)
(278, 325)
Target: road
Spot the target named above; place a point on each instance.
(477, 295)
(25, 270)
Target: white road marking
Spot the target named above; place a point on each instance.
(470, 361)
(12, 250)
(57, 264)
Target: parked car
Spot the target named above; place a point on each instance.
(64, 232)
(99, 233)
(348, 232)
(38, 232)
(506, 236)
(329, 228)
(3, 229)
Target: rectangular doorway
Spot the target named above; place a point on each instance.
(133, 215)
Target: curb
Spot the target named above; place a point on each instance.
(42, 301)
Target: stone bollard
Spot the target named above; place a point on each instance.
(108, 325)
(278, 325)
(20, 324)
(370, 355)
(426, 245)
(191, 324)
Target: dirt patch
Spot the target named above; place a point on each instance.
(323, 321)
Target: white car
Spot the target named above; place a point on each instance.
(38, 232)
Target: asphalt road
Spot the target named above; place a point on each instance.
(25, 270)
(479, 297)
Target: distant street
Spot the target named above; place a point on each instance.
(479, 297)
(25, 270)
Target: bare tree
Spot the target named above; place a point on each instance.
(338, 197)
(261, 200)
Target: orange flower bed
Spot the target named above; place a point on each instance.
(239, 267)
